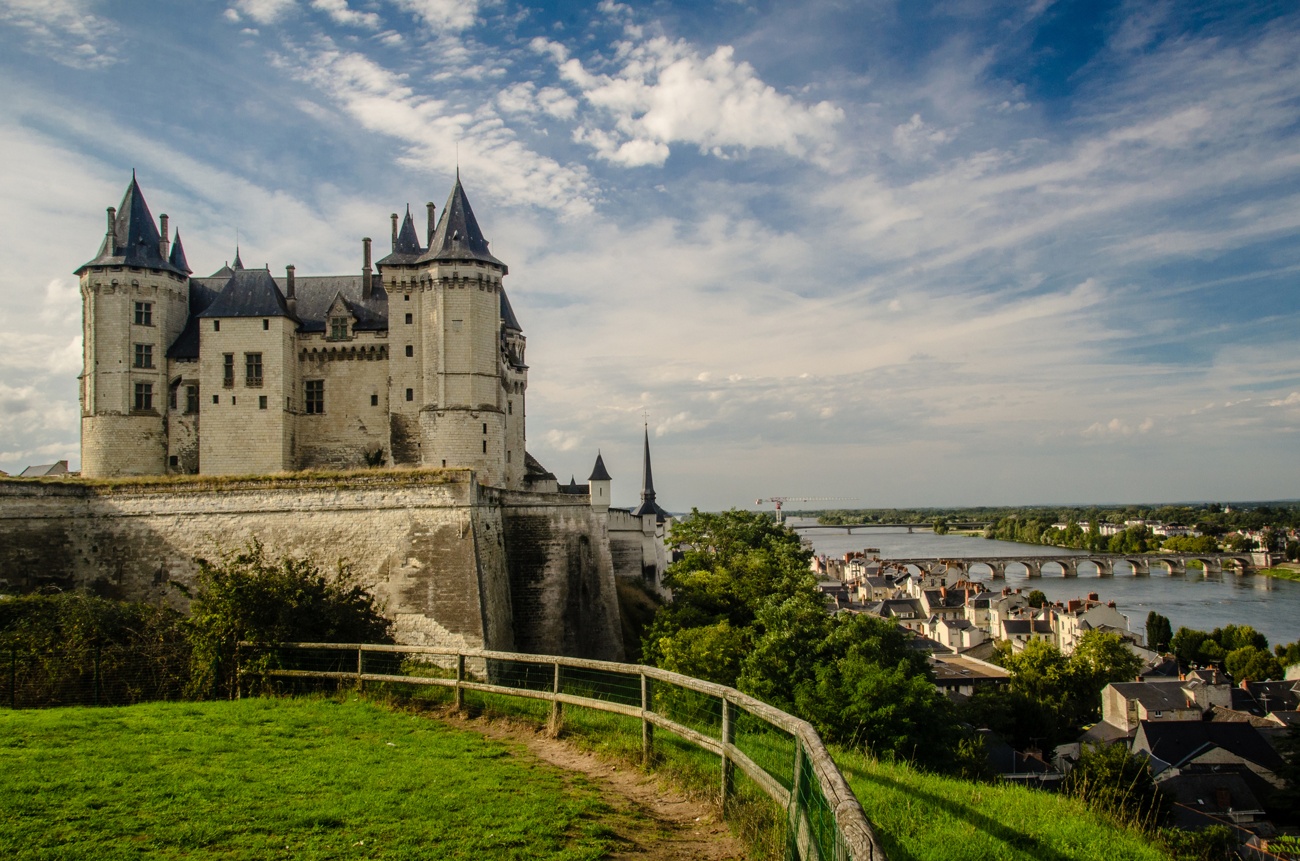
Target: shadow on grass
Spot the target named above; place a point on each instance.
(1013, 839)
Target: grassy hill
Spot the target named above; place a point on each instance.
(280, 778)
(925, 816)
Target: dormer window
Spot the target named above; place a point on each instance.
(338, 328)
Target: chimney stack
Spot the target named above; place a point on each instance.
(290, 297)
(432, 224)
(394, 217)
(112, 226)
(163, 241)
(365, 269)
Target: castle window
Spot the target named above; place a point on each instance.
(175, 461)
(228, 370)
(455, 325)
(410, 394)
(266, 324)
(216, 325)
(315, 391)
(510, 408)
(144, 313)
(171, 398)
(144, 355)
(143, 397)
(374, 400)
(485, 446)
(410, 351)
(484, 428)
(191, 399)
(339, 328)
(253, 369)
(261, 402)
(410, 319)
(216, 399)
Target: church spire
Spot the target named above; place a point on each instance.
(648, 504)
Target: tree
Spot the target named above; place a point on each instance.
(1288, 655)
(1250, 662)
(1238, 543)
(1186, 645)
(1037, 599)
(1100, 658)
(1159, 631)
(246, 596)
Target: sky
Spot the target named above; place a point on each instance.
(887, 253)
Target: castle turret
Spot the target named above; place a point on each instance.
(461, 389)
(648, 504)
(134, 305)
(598, 485)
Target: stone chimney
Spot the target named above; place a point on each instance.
(366, 270)
(112, 218)
(394, 218)
(163, 241)
(290, 296)
(432, 224)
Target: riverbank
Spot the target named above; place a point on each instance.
(1285, 571)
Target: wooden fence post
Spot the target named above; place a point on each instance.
(460, 677)
(647, 728)
(360, 652)
(557, 707)
(728, 767)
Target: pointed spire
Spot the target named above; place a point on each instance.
(134, 239)
(458, 236)
(239, 264)
(598, 472)
(177, 258)
(648, 504)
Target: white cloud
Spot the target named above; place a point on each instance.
(262, 11)
(442, 15)
(431, 129)
(525, 98)
(67, 31)
(342, 14)
(1291, 400)
(667, 92)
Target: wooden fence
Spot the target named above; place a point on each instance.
(780, 753)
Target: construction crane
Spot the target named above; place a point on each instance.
(778, 501)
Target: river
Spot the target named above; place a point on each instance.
(1196, 600)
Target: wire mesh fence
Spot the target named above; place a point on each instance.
(96, 675)
(760, 749)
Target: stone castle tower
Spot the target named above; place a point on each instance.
(417, 359)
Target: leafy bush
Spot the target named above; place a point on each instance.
(72, 647)
(1216, 843)
(248, 597)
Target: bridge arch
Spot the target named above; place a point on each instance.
(1174, 565)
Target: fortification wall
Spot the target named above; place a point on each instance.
(561, 576)
(429, 545)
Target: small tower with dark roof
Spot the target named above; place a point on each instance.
(598, 485)
(134, 304)
(648, 504)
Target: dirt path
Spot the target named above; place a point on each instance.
(656, 822)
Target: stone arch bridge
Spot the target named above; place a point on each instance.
(1104, 564)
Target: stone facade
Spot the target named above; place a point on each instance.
(416, 360)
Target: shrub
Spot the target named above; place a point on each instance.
(1119, 786)
(248, 597)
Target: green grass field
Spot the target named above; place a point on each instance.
(280, 778)
(924, 816)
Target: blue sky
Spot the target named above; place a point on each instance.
(905, 253)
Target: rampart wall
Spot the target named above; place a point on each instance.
(451, 562)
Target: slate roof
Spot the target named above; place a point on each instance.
(186, 345)
(177, 257)
(1156, 696)
(407, 248)
(1201, 791)
(598, 472)
(248, 293)
(56, 468)
(135, 240)
(458, 236)
(1177, 742)
(1264, 697)
(316, 293)
(508, 319)
(534, 471)
(648, 504)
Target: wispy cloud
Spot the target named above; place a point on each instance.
(68, 31)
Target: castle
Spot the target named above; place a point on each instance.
(247, 380)
(416, 359)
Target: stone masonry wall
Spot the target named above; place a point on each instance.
(561, 577)
(421, 542)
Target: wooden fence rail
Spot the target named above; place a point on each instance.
(824, 820)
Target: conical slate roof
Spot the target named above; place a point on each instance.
(458, 236)
(648, 504)
(598, 472)
(509, 321)
(407, 248)
(177, 258)
(135, 240)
